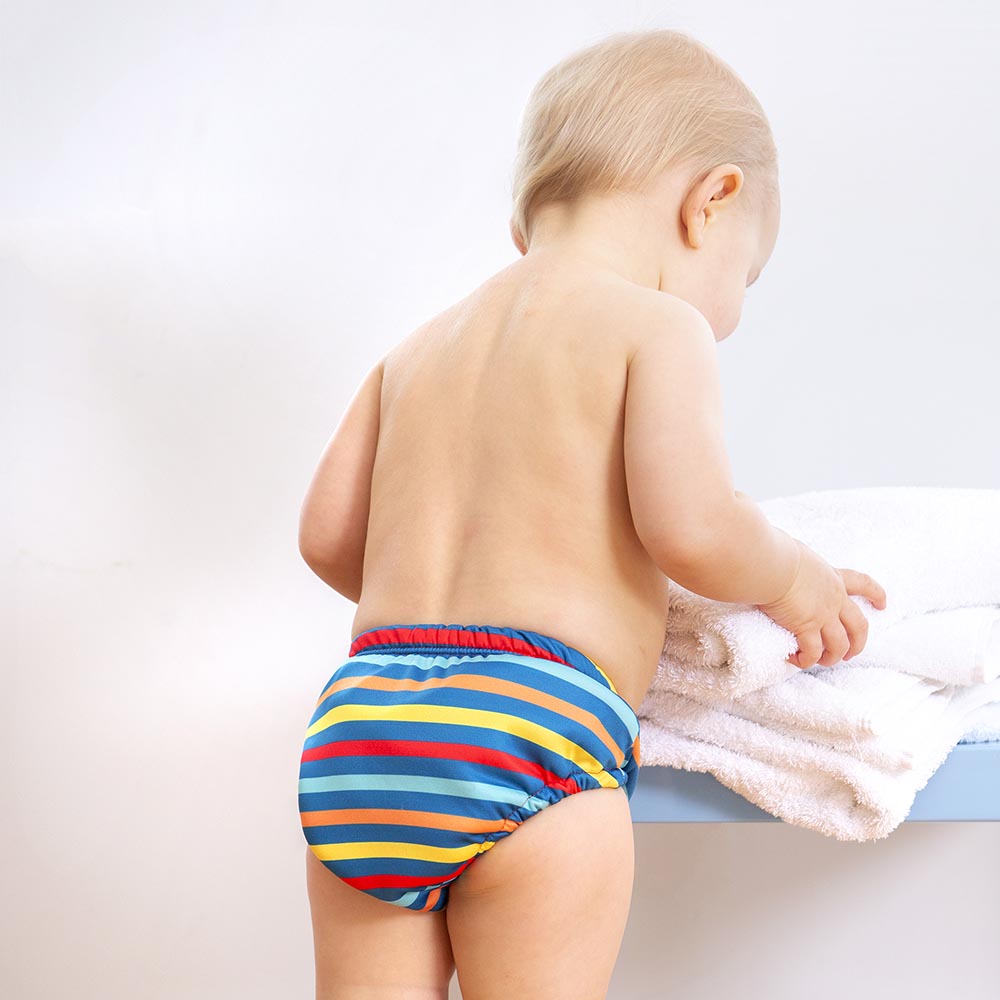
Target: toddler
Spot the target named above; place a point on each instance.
(505, 499)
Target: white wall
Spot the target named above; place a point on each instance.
(215, 216)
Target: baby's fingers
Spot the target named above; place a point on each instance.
(856, 625)
(809, 651)
(863, 585)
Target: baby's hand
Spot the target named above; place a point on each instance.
(818, 611)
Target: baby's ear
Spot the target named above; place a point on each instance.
(515, 235)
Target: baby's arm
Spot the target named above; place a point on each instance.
(333, 521)
(699, 530)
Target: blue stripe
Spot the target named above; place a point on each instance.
(434, 785)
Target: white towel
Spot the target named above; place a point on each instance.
(855, 788)
(931, 548)
(959, 646)
(841, 707)
(983, 725)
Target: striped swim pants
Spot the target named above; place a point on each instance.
(432, 742)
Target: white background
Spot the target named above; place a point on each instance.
(215, 217)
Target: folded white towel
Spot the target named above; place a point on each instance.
(983, 725)
(853, 788)
(931, 548)
(841, 707)
(960, 646)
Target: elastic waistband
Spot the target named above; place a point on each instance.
(440, 638)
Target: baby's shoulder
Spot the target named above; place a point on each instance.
(640, 314)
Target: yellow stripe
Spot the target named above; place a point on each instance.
(604, 674)
(605, 779)
(394, 849)
(513, 724)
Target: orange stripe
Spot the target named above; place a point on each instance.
(406, 817)
(489, 685)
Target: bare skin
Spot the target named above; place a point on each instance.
(479, 477)
(513, 400)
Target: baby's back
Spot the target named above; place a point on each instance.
(498, 492)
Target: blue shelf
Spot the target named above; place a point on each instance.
(965, 787)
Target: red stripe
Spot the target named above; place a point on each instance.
(400, 881)
(389, 881)
(451, 637)
(423, 748)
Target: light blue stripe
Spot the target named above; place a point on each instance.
(412, 783)
(536, 804)
(426, 661)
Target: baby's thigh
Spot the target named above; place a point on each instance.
(366, 948)
(542, 913)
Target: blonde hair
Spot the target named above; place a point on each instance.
(612, 115)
